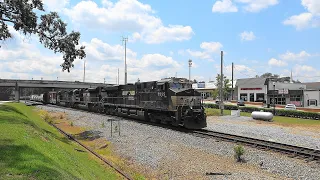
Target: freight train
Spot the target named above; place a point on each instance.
(168, 101)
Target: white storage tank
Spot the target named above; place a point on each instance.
(259, 115)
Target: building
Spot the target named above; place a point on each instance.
(251, 89)
(205, 89)
(312, 94)
(270, 91)
(285, 93)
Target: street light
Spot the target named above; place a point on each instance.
(274, 102)
(190, 64)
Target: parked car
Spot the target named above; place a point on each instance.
(290, 107)
(240, 103)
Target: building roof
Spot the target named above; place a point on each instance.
(312, 85)
(251, 81)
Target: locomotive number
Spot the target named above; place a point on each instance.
(161, 94)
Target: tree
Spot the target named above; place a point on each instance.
(226, 85)
(50, 29)
(269, 75)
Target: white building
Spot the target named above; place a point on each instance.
(312, 94)
(251, 89)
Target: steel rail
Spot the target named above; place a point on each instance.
(312, 154)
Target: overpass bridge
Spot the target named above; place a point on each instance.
(50, 84)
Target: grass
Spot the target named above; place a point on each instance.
(276, 119)
(32, 149)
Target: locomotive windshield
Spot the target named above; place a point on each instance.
(178, 85)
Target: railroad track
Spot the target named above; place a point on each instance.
(294, 151)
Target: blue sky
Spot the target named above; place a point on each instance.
(257, 35)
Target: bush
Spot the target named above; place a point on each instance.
(102, 125)
(278, 112)
(238, 152)
(71, 124)
(47, 117)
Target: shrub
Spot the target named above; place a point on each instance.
(278, 112)
(102, 125)
(238, 152)
(47, 117)
(71, 124)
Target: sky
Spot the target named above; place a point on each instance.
(258, 36)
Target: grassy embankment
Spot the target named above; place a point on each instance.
(32, 149)
(277, 119)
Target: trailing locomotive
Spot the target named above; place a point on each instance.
(168, 101)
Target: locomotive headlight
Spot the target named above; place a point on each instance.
(190, 107)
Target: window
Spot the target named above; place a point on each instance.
(281, 101)
(243, 97)
(312, 102)
(295, 98)
(260, 97)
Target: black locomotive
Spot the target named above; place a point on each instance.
(168, 101)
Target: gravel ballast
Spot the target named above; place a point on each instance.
(246, 126)
(174, 155)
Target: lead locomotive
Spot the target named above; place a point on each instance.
(168, 101)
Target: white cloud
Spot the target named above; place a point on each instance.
(300, 21)
(170, 33)
(306, 19)
(96, 49)
(275, 62)
(305, 73)
(55, 5)
(247, 36)
(224, 6)
(295, 57)
(208, 48)
(128, 16)
(313, 6)
(257, 5)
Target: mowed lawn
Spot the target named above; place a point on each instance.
(32, 149)
(277, 119)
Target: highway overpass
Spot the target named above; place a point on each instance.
(50, 84)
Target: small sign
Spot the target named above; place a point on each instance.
(283, 91)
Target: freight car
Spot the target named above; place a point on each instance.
(168, 101)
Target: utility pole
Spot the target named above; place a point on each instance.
(190, 64)
(125, 59)
(104, 80)
(118, 77)
(84, 70)
(221, 86)
(232, 83)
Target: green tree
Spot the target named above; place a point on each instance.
(269, 75)
(226, 85)
(215, 93)
(50, 28)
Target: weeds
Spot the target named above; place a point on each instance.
(238, 152)
(71, 124)
(103, 125)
